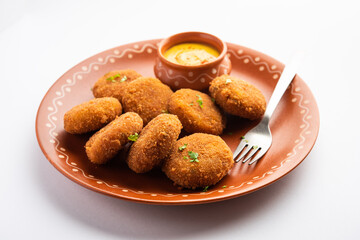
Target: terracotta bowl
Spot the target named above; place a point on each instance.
(195, 77)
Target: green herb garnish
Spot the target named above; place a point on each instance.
(242, 137)
(185, 157)
(255, 147)
(190, 104)
(193, 156)
(228, 81)
(112, 78)
(164, 111)
(133, 137)
(205, 189)
(213, 99)
(123, 79)
(224, 186)
(183, 147)
(200, 101)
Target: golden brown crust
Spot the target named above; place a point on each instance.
(92, 115)
(107, 142)
(156, 141)
(106, 87)
(206, 119)
(214, 161)
(146, 96)
(238, 97)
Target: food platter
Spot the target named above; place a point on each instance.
(294, 125)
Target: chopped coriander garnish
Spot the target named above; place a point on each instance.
(205, 189)
(193, 156)
(123, 79)
(200, 101)
(242, 137)
(228, 81)
(190, 104)
(185, 157)
(224, 186)
(246, 141)
(133, 137)
(213, 99)
(164, 111)
(112, 78)
(183, 147)
(255, 147)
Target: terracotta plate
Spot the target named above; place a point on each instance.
(294, 126)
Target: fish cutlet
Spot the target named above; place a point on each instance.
(155, 142)
(238, 97)
(146, 96)
(92, 115)
(198, 160)
(109, 140)
(197, 112)
(112, 84)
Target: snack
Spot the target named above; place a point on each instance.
(155, 143)
(146, 96)
(92, 115)
(195, 161)
(107, 142)
(238, 97)
(197, 112)
(198, 160)
(113, 83)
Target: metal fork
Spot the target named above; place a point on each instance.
(258, 140)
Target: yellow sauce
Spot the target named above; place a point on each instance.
(191, 54)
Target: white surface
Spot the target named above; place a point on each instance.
(41, 40)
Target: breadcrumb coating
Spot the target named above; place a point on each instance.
(156, 141)
(113, 84)
(197, 112)
(92, 115)
(238, 97)
(109, 140)
(146, 96)
(214, 160)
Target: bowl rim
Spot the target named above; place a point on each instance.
(179, 66)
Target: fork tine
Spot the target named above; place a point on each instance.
(246, 152)
(238, 150)
(260, 153)
(254, 153)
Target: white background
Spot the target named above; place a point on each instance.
(41, 40)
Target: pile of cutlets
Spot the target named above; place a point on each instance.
(130, 108)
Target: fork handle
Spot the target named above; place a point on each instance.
(286, 78)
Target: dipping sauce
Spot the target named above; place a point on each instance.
(191, 54)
